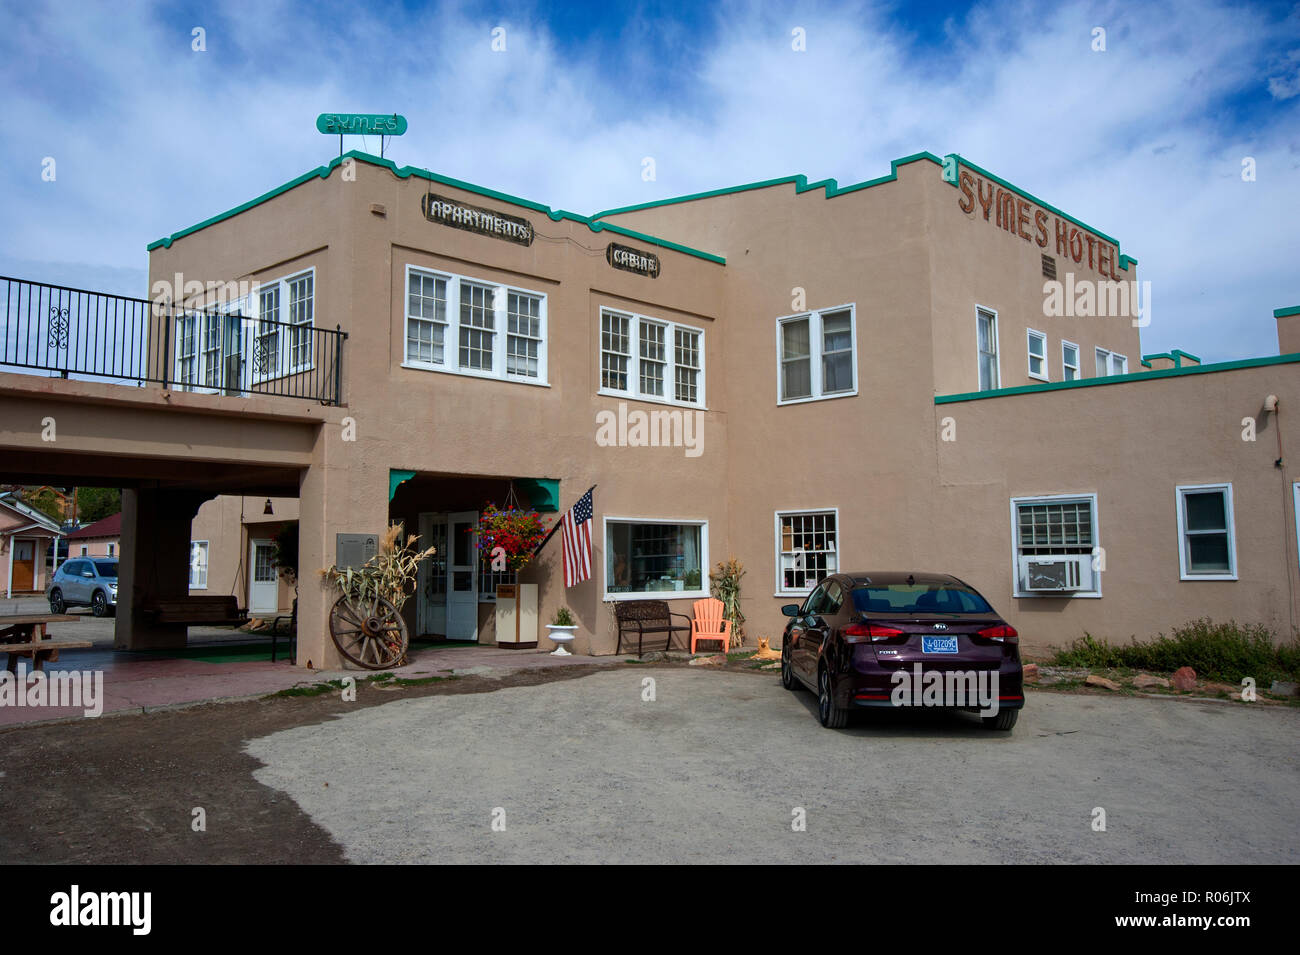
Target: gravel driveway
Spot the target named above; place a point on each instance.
(714, 769)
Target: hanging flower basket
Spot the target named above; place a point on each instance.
(515, 530)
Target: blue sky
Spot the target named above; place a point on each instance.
(1144, 141)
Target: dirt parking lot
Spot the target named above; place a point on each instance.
(579, 765)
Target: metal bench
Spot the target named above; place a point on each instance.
(205, 611)
(647, 618)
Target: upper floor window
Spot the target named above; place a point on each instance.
(1109, 363)
(649, 358)
(817, 355)
(986, 334)
(471, 327)
(1069, 361)
(1037, 342)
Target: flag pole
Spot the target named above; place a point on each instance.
(551, 533)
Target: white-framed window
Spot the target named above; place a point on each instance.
(817, 355)
(111, 548)
(1037, 349)
(1207, 548)
(651, 359)
(302, 310)
(807, 549)
(1110, 363)
(469, 326)
(84, 550)
(187, 356)
(198, 565)
(1056, 533)
(266, 340)
(666, 559)
(986, 344)
(1069, 361)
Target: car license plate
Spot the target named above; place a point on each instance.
(938, 644)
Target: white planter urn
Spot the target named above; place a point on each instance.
(563, 636)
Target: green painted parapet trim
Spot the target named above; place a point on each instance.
(542, 493)
(1176, 356)
(1120, 379)
(832, 189)
(405, 172)
(800, 183)
(396, 477)
(1285, 312)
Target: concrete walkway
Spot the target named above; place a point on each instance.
(140, 682)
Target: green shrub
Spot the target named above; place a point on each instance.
(1224, 652)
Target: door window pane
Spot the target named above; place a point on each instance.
(796, 359)
(837, 353)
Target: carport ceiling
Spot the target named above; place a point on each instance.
(104, 470)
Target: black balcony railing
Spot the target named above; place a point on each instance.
(75, 333)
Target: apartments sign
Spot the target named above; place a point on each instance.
(458, 215)
(631, 260)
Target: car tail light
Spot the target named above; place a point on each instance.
(1002, 633)
(874, 631)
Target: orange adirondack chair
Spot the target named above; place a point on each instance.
(708, 623)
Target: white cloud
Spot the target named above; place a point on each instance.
(151, 137)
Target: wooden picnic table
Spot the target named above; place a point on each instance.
(24, 635)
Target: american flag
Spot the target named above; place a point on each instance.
(577, 541)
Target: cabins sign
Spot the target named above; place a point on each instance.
(458, 215)
(632, 260)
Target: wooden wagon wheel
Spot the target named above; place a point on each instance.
(369, 632)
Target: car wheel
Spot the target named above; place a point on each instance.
(832, 717)
(56, 602)
(99, 604)
(1003, 721)
(788, 679)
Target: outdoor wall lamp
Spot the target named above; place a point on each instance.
(267, 509)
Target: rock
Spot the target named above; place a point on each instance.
(714, 660)
(1049, 675)
(771, 666)
(1101, 681)
(654, 656)
(1285, 689)
(1145, 680)
(1031, 672)
(1222, 688)
(1184, 678)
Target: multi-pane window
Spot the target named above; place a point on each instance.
(1037, 343)
(477, 326)
(1205, 533)
(301, 313)
(807, 545)
(653, 359)
(523, 334)
(426, 318)
(1059, 526)
(186, 350)
(1069, 361)
(481, 312)
(198, 564)
(1109, 363)
(987, 342)
(211, 350)
(816, 355)
(615, 350)
(648, 358)
(266, 357)
(686, 346)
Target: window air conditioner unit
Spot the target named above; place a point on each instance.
(1052, 574)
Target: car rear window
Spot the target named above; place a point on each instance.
(106, 568)
(919, 598)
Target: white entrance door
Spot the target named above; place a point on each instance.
(462, 576)
(263, 585)
(431, 603)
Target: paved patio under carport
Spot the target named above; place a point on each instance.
(150, 680)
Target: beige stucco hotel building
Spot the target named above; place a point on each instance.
(834, 377)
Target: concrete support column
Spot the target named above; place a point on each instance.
(343, 492)
(154, 564)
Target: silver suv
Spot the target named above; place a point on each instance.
(85, 582)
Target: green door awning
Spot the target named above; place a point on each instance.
(542, 493)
